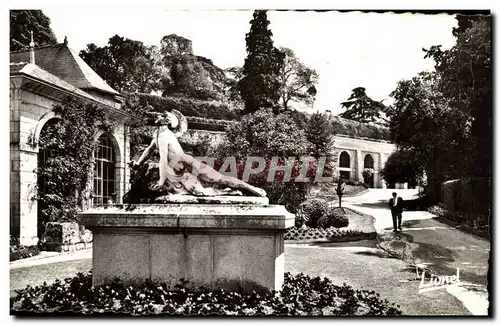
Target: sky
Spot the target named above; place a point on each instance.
(348, 50)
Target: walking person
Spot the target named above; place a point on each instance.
(396, 206)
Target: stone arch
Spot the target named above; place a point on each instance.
(42, 155)
(368, 162)
(345, 160)
(39, 127)
(345, 166)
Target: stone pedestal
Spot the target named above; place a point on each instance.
(224, 244)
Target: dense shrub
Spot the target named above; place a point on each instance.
(312, 210)
(334, 217)
(18, 251)
(300, 295)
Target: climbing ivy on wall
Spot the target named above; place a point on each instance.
(66, 147)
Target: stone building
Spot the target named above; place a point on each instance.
(40, 78)
(356, 155)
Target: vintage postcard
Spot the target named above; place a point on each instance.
(250, 162)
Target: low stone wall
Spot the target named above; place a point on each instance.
(471, 195)
(65, 237)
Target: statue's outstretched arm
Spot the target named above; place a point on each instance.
(147, 152)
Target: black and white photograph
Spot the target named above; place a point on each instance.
(184, 162)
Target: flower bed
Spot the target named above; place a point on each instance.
(300, 296)
(305, 234)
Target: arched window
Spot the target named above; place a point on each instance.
(104, 171)
(345, 160)
(368, 161)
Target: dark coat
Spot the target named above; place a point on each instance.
(399, 205)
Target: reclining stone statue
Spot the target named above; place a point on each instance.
(180, 173)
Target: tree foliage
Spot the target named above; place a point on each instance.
(125, 64)
(319, 133)
(22, 22)
(65, 172)
(190, 75)
(297, 80)
(260, 85)
(424, 123)
(264, 134)
(402, 166)
(360, 107)
(466, 80)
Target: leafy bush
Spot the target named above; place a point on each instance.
(334, 217)
(312, 210)
(18, 251)
(331, 234)
(301, 295)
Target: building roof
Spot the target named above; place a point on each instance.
(38, 73)
(61, 61)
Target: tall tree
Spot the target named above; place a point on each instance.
(297, 80)
(260, 85)
(190, 75)
(401, 167)
(233, 76)
(423, 123)
(22, 22)
(466, 80)
(319, 133)
(360, 107)
(123, 63)
(174, 45)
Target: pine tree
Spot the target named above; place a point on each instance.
(359, 107)
(260, 86)
(320, 134)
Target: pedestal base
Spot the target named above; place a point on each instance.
(213, 245)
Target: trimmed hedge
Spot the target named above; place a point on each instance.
(301, 295)
(356, 129)
(216, 111)
(202, 123)
(135, 102)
